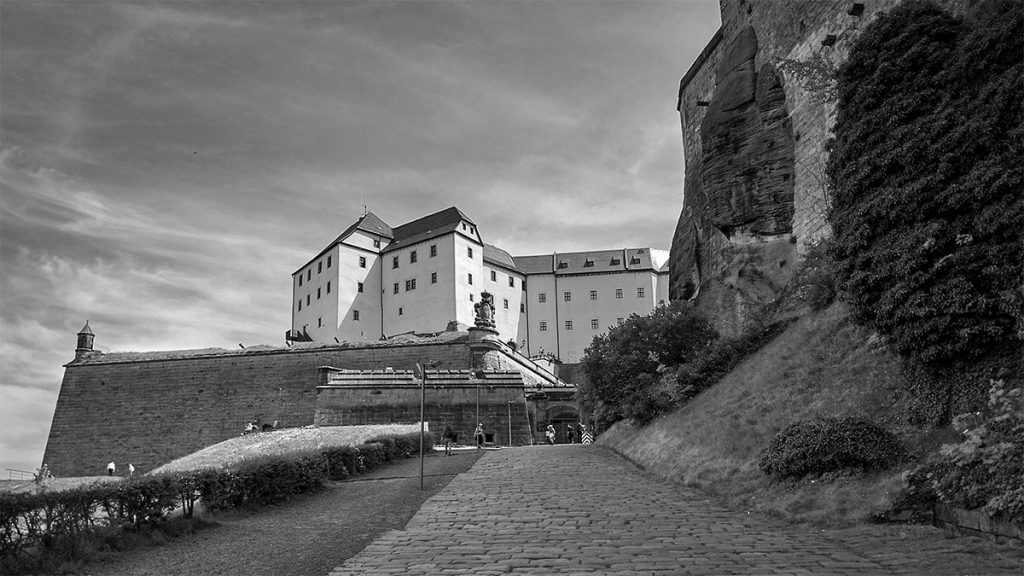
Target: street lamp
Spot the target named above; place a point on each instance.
(510, 423)
(423, 398)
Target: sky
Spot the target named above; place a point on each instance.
(166, 166)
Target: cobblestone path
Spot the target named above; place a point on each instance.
(584, 510)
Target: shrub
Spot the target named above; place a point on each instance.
(926, 172)
(828, 444)
(986, 470)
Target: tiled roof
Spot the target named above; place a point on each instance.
(497, 256)
(432, 226)
(534, 264)
(590, 262)
(369, 222)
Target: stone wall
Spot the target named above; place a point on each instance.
(148, 409)
(754, 192)
(454, 398)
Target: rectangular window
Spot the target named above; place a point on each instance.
(470, 277)
(470, 297)
(469, 251)
(522, 308)
(433, 250)
(376, 243)
(542, 297)
(408, 285)
(320, 267)
(317, 293)
(328, 286)
(412, 257)
(300, 279)
(567, 296)
(639, 292)
(593, 324)
(618, 292)
(362, 261)
(413, 283)
(396, 287)
(506, 303)
(328, 261)
(568, 324)
(300, 304)
(593, 294)
(355, 315)
(494, 276)
(309, 274)
(620, 321)
(433, 277)
(511, 282)
(320, 322)
(543, 326)
(400, 311)
(359, 287)
(307, 299)
(394, 262)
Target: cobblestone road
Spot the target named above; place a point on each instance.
(584, 510)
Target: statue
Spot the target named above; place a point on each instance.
(484, 311)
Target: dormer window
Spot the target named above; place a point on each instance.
(615, 262)
(634, 260)
(589, 263)
(562, 265)
(376, 243)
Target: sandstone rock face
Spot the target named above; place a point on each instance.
(739, 192)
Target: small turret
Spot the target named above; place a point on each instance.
(85, 337)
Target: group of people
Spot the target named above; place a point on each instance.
(112, 468)
(580, 433)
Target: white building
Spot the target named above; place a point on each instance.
(374, 280)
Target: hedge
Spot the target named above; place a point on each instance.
(35, 525)
(828, 444)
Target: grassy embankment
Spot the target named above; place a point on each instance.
(822, 364)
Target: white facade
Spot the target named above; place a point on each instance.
(374, 280)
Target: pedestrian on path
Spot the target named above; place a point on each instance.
(550, 434)
(572, 433)
(448, 436)
(479, 435)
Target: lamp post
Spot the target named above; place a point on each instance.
(510, 423)
(423, 397)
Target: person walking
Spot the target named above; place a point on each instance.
(550, 434)
(572, 433)
(478, 434)
(449, 437)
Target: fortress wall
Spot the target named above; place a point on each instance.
(151, 411)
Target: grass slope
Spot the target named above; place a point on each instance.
(822, 364)
(281, 442)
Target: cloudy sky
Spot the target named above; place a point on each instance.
(165, 166)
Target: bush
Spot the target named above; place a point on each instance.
(828, 444)
(926, 172)
(986, 470)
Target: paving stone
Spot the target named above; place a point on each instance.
(583, 510)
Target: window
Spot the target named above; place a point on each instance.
(400, 311)
(317, 293)
(615, 262)
(300, 304)
(408, 285)
(412, 257)
(328, 286)
(469, 251)
(433, 250)
(593, 324)
(618, 292)
(413, 283)
(320, 267)
(568, 324)
(355, 315)
(639, 292)
(494, 276)
(470, 277)
(593, 294)
(320, 322)
(300, 279)
(620, 321)
(588, 263)
(394, 262)
(511, 282)
(522, 308)
(506, 303)
(362, 261)
(463, 225)
(396, 287)
(562, 265)
(634, 260)
(433, 277)
(470, 297)
(376, 243)
(328, 261)
(309, 274)
(567, 296)
(542, 297)
(307, 299)
(543, 326)
(359, 287)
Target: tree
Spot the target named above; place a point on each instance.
(622, 366)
